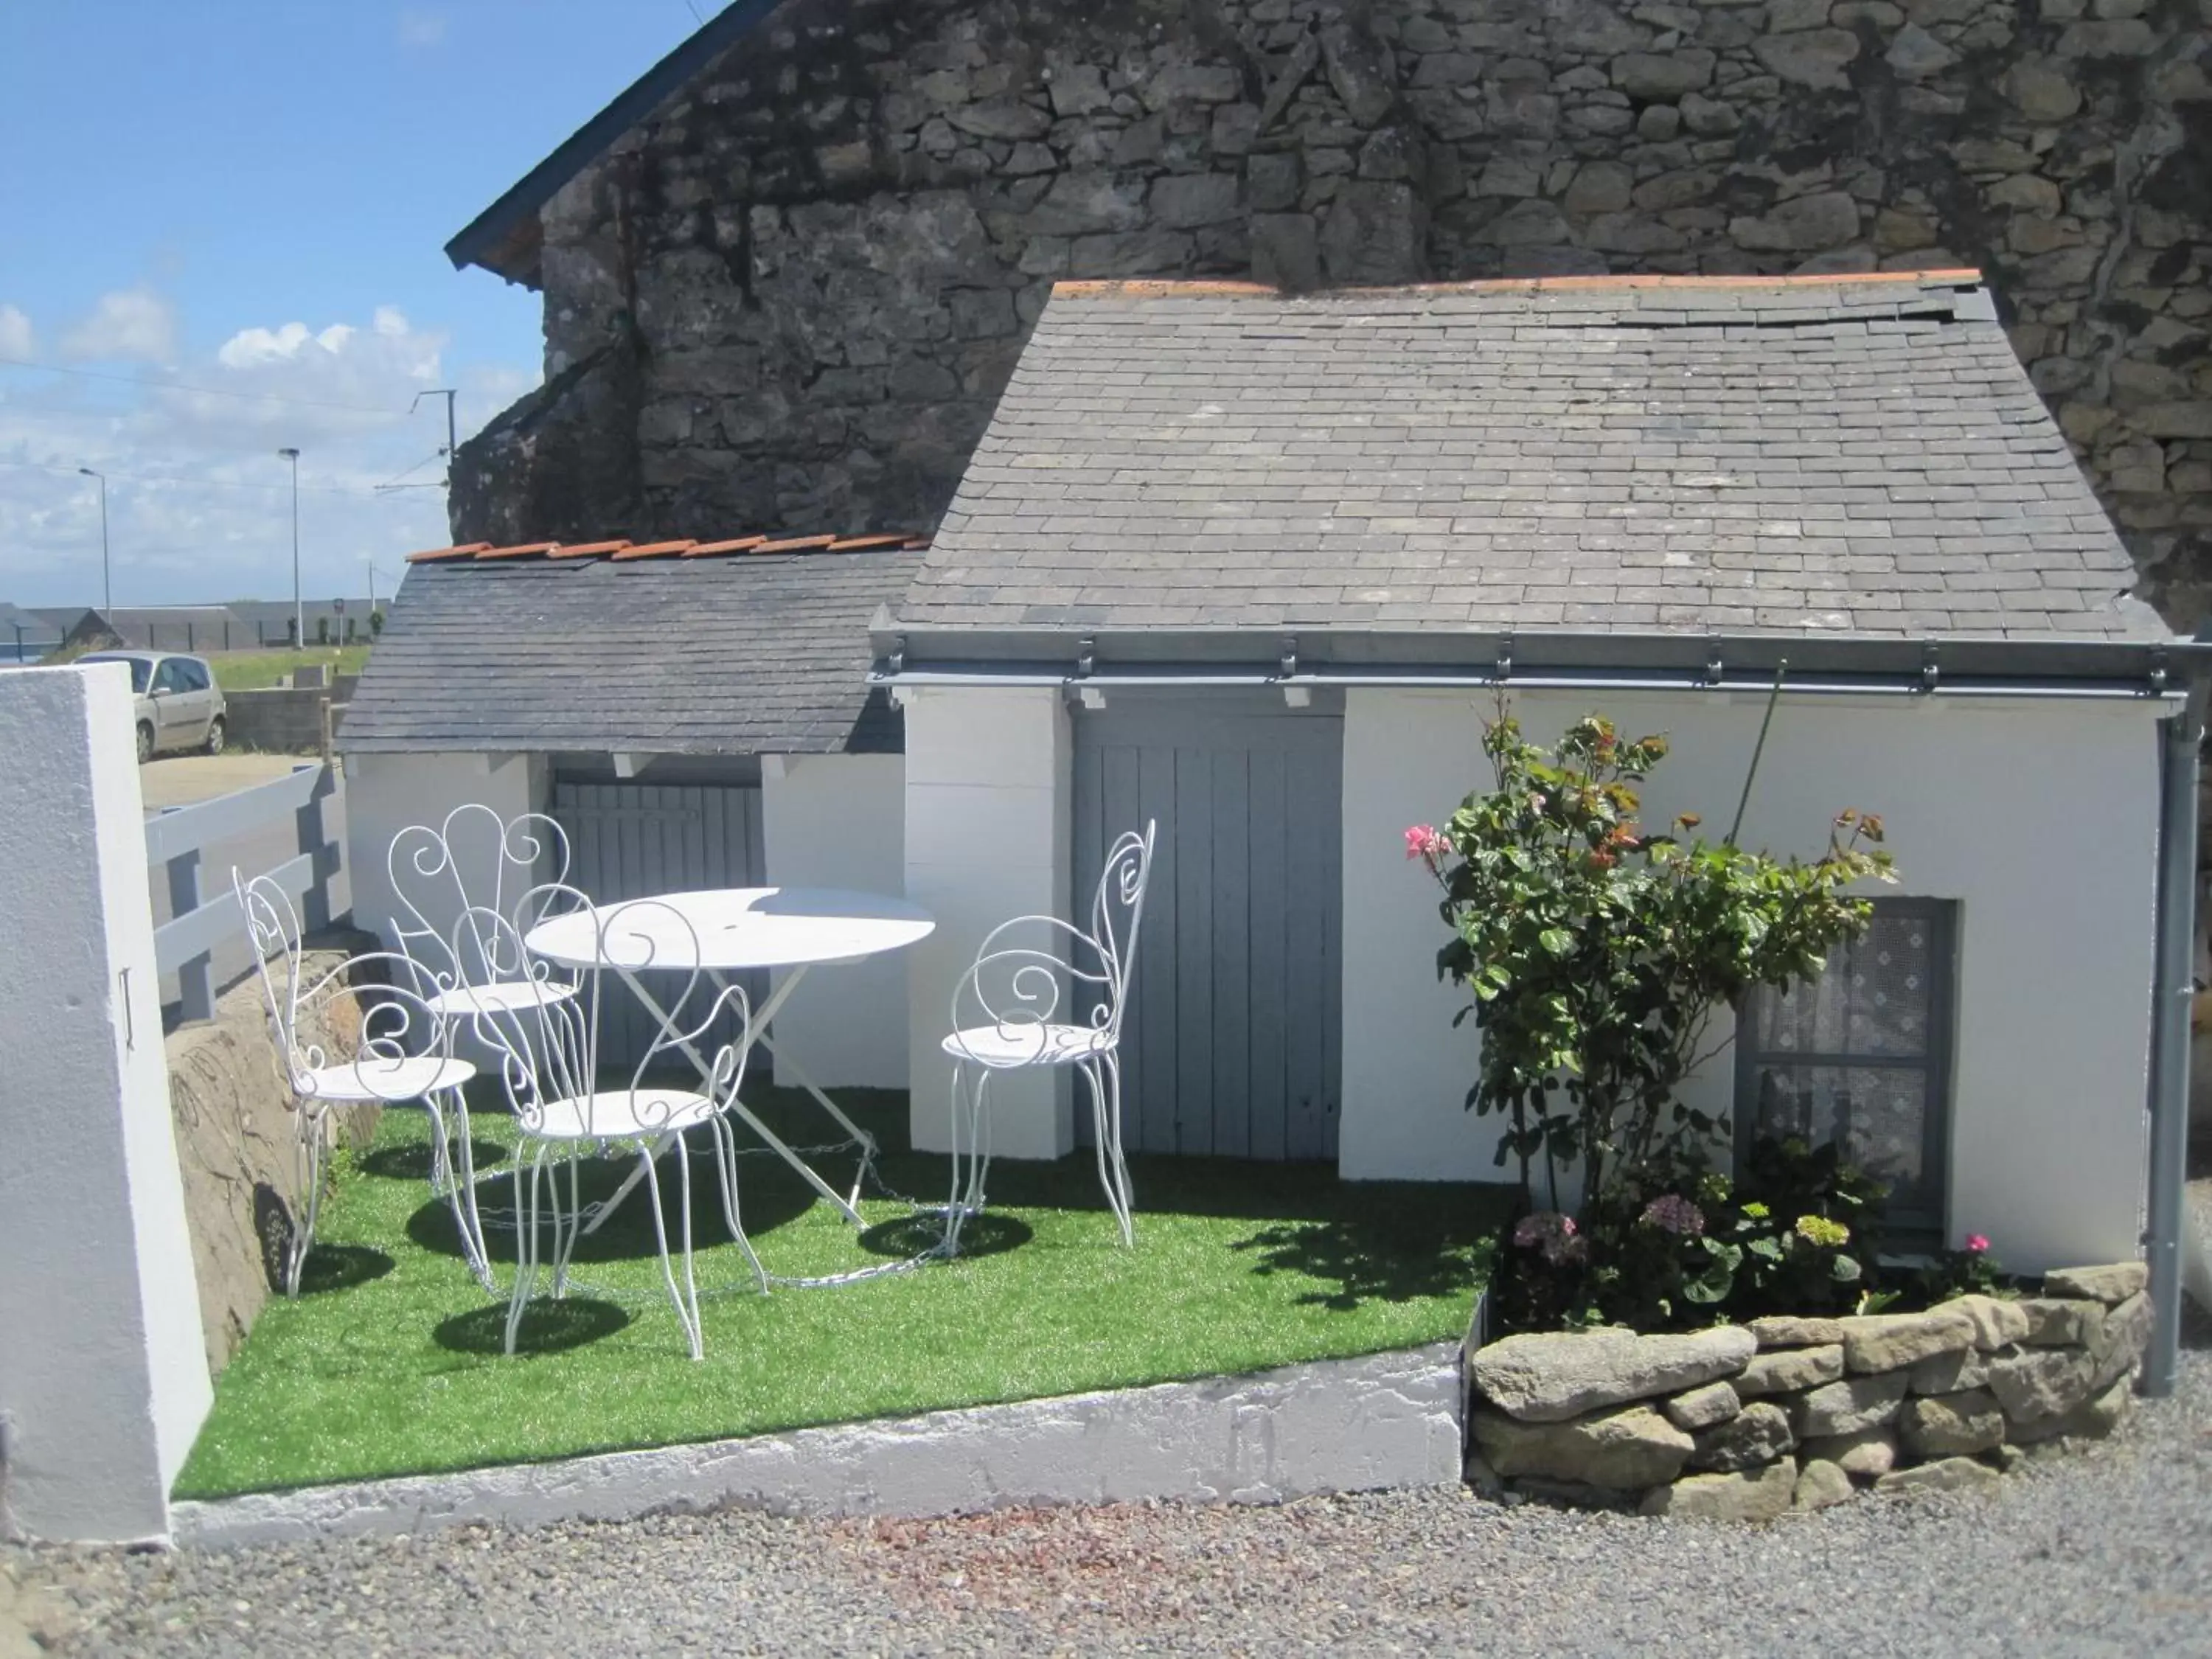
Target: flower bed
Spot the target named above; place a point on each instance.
(1747, 1422)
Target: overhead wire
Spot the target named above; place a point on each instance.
(142, 382)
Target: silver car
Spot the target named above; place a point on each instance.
(179, 705)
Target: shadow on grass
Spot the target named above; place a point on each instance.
(1364, 1260)
(548, 1327)
(911, 1236)
(341, 1268)
(411, 1161)
(764, 1205)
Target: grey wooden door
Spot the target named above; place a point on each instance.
(634, 840)
(1231, 1046)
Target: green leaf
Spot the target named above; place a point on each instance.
(1558, 941)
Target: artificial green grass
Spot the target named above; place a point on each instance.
(390, 1362)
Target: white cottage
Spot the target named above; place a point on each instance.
(692, 714)
(1257, 567)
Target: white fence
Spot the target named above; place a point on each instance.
(185, 944)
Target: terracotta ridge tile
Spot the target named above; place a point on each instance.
(581, 549)
(735, 544)
(653, 549)
(863, 543)
(796, 544)
(520, 549)
(1149, 287)
(460, 550)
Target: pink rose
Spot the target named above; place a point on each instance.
(1426, 841)
(1977, 1245)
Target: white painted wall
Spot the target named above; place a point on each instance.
(987, 775)
(387, 793)
(103, 1377)
(840, 821)
(2038, 816)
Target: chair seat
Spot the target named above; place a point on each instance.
(1029, 1045)
(504, 997)
(616, 1113)
(373, 1077)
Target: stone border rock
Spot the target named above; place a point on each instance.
(1744, 1422)
(1381, 1420)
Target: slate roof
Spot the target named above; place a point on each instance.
(1838, 455)
(762, 653)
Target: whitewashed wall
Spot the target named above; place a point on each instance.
(387, 793)
(988, 776)
(2038, 817)
(840, 821)
(103, 1377)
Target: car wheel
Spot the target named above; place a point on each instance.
(214, 736)
(145, 744)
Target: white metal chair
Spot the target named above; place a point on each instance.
(400, 1055)
(446, 881)
(548, 1053)
(1004, 1020)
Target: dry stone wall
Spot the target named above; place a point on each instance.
(1746, 1423)
(793, 297)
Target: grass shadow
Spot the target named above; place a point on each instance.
(548, 1327)
(410, 1160)
(906, 1236)
(341, 1268)
(765, 1203)
(1364, 1260)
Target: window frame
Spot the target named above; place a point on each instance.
(1911, 1228)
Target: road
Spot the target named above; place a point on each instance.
(186, 780)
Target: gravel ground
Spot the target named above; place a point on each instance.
(2103, 1551)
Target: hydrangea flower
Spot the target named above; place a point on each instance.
(1819, 1231)
(1671, 1213)
(1551, 1235)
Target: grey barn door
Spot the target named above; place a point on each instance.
(1230, 1044)
(634, 840)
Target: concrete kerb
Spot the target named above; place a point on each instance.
(1381, 1420)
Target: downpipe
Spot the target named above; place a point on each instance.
(2182, 737)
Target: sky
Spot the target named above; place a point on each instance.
(221, 234)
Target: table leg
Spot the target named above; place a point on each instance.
(755, 1026)
(867, 1141)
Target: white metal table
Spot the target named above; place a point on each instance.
(732, 930)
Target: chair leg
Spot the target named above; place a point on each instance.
(726, 1165)
(567, 1231)
(686, 1313)
(525, 1237)
(308, 1202)
(463, 1197)
(973, 1099)
(1113, 1167)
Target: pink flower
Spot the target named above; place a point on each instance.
(1977, 1245)
(1426, 841)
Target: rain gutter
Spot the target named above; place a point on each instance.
(2174, 991)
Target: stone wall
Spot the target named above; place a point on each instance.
(286, 720)
(793, 297)
(1746, 1422)
(235, 1134)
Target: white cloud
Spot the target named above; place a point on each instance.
(421, 28)
(199, 504)
(17, 340)
(132, 325)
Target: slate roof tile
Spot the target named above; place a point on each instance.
(1851, 452)
(752, 653)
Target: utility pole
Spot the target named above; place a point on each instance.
(299, 609)
(106, 582)
(371, 623)
(448, 394)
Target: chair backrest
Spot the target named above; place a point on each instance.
(1027, 967)
(394, 1025)
(474, 864)
(548, 1048)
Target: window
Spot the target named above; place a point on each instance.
(166, 677)
(1860, 1055)
(191, 676)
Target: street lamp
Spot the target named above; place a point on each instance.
(298, 611)
(106, 585)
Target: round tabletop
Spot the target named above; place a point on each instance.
(731, 929)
